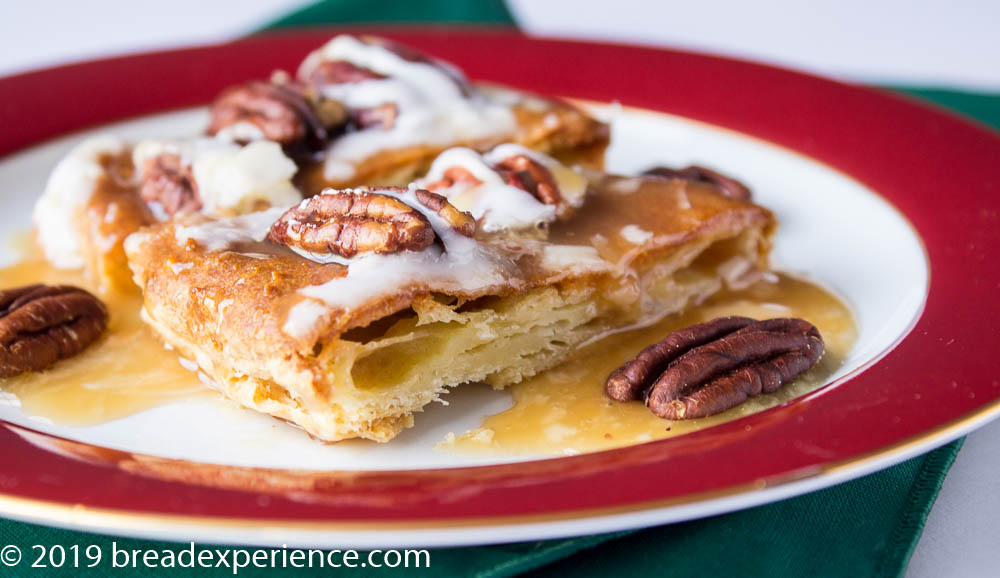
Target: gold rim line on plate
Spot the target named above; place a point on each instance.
(79, 516)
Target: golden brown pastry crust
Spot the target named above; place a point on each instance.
(227, 309)
(556, 128)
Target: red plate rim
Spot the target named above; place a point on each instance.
(938, 169)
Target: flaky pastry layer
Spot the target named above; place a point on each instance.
(638, 249)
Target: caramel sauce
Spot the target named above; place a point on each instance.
(564, 410)
(125, 372)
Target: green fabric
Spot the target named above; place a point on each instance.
(485, 12)
(982, 107)
(866, 527)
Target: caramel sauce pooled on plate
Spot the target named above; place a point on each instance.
(565, 410)
(126, 371)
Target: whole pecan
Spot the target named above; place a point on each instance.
(728, 186)
(711, 367)
(529, 175)
(461, 221)
(41, 324)
(281, 112)
(168, 181)
(349, 222)
(630, 381)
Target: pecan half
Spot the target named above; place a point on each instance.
(339, 72)
(41, 324)
(630, 381)
(333, 72)
(168, 181)
(453, 175)
(461, 221)
(412, 55)
(281, 113)
(729, 186)
(529, 175)
(708, 368)
(349, 222)
(382, 116)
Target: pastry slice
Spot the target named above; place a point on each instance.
(356, 308)
(105, 189)
(369, 111)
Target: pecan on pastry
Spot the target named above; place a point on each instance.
(529, 175)
(339, 72)
(41, 324)
(355, 349)
(279, 111)
(452, 176)
(347, 223)
(461, 221)
(708, 368)
(728, 186)
(382, 116)
(168, 181)
(412, 55)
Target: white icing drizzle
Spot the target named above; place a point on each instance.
(69, 189)
(456, 265)
(462, 265)
(303, 317)
(230, 177)
(221, 234)
(432, 108)
(573, 259)
(496, 205)
(572, 185)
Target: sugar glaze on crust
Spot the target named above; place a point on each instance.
(352, 349)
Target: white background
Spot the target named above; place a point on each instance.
(952, 44)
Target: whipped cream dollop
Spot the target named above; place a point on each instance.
(434, 105)
(68, 191)
(496, 205)
(230, 177)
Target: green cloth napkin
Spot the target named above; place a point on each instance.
(866, 527)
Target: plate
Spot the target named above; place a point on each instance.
(891, 203)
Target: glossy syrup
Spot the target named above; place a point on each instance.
(127, 371)
(561, 411)
(564, 410)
